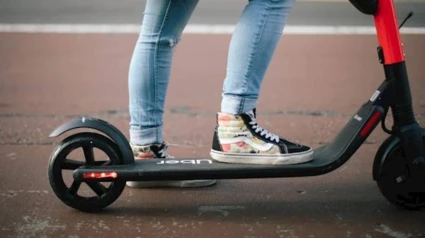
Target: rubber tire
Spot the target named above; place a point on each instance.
(391, 190)
(55, 172)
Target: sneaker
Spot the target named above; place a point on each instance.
(159, 151)
(239, 139)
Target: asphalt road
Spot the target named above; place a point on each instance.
(318, 81)
(305, 12)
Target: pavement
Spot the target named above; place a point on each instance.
(312, 88)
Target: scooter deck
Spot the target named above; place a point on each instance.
(325, 159)
(207, 168)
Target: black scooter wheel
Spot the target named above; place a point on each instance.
(396, 184)
(84, 149)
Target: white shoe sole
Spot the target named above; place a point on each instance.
(171, 184)
(247, 158)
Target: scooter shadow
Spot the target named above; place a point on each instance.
(355, 203)
(281, 210)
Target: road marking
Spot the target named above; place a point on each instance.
(224, 210)
(192, 29)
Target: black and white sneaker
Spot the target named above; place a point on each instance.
(239, 139)
(159, 151)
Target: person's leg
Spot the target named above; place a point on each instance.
(150, 66)
(238, 138)
(149, 73)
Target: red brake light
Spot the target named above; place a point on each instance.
(96, 175)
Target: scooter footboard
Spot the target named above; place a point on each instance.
(350, 138)
(325, 159)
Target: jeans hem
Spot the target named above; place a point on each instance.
(146, 136)
(237, 104)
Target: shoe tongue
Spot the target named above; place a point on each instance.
(161, 146)
(251, 114)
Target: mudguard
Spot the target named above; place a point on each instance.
(383, 151)
(102, 126)
(368, 7)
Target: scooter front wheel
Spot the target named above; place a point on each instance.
(78, 150)
(395, 181)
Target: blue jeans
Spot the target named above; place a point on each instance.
(251, 48)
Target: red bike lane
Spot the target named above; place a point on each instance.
(314, 85)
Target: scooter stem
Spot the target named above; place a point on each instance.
(388, 32)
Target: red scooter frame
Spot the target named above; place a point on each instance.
(388, 32)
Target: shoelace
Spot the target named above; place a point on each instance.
(164, 154)
(263, 132)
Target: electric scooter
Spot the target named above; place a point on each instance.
(398, 168)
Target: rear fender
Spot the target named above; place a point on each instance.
(102, 126)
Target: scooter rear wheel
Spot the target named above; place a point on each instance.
(87, 147)
(396, 184)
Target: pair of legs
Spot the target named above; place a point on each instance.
(237, 138)
(251, 49)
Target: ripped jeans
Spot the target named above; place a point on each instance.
(252, 45)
